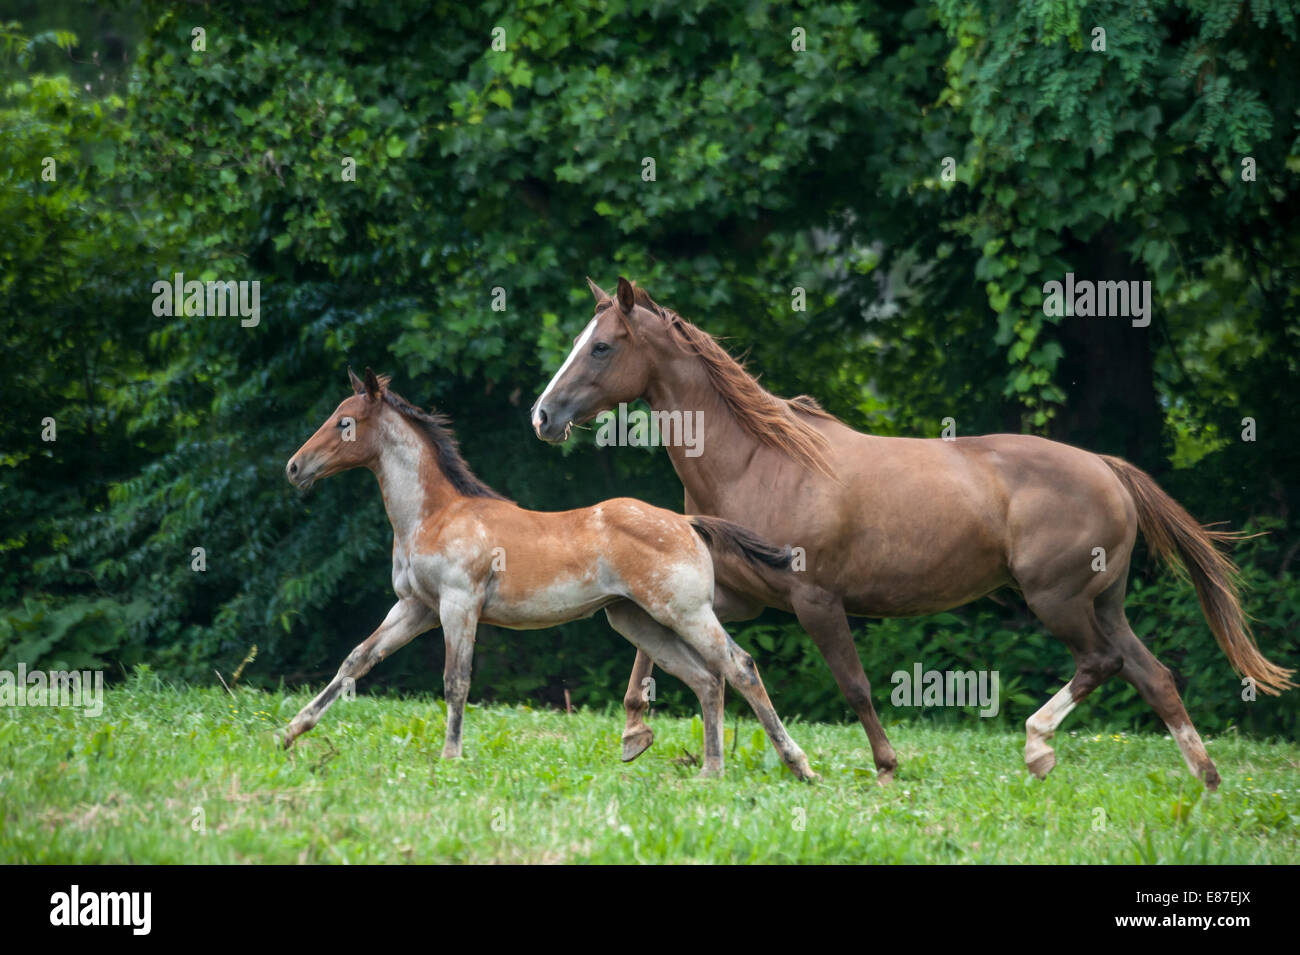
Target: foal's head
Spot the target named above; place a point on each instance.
(610, 363)
(349, 438)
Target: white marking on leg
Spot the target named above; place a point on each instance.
(1044, 723)
(1190, 745)
(1040, 727)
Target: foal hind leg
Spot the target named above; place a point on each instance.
(706, 635)
(637, 736)
(658, 644)
(1074, 622)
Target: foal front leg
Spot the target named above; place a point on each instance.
(407, 620)
(459, 625)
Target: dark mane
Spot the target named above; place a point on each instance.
(777, 422)
(437, 429)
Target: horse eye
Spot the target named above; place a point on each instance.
(345, 422)
(600, 348)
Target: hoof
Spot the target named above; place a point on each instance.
(1041, 764)
(885, 777)
(637, 742)
(1211, 778)
(708, 775)
(802, 770)
(286, 738)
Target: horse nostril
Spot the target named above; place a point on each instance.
(541, 417)
(293, 467)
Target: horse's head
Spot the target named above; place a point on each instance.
(610, 363)
(349, 438)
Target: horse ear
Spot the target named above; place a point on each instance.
(358, 386)
(373, 387)
(626, 295)
(596, 290)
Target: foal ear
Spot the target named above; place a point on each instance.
(596, 290)
(626, 295)
(373, 387)
(358, 385)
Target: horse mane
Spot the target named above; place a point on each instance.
(436, 428)
(779, 423)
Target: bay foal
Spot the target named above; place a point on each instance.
(463, 554)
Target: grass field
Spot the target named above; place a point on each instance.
(191, 775)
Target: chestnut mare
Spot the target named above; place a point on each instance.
(462, 554)
(900, 527)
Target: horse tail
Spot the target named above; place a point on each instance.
(724, 535)
(1190, 549)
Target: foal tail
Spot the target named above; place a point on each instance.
(715, 532)
(1174, 536)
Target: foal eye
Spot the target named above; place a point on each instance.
(600, 348)
(346, 422)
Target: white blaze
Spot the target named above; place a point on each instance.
(582, 340)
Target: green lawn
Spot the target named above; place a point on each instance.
(367, 785)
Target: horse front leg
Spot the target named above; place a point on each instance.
(822, 615)
(407, 620)
(459, 625)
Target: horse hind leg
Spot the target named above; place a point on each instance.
(1155, 683)
(1152, 679)
(1073, 622)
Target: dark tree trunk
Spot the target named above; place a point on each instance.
(1107, 371)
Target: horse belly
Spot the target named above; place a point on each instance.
(907, 572)
(902, 596)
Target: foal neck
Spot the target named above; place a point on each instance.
(410, 480)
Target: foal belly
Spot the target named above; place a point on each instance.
(551, 609)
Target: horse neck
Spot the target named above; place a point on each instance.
(410, 480)
(682, 382)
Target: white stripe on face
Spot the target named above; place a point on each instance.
(582, 341)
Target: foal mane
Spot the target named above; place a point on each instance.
(776, 422)
(436, 428)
